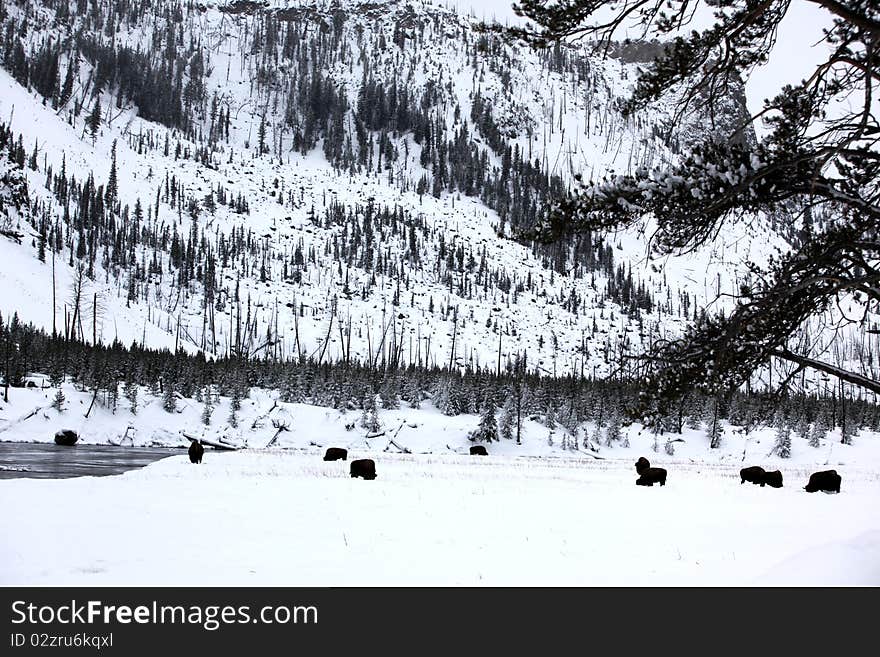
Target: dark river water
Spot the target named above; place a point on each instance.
(51, 461)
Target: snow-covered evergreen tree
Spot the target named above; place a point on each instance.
(412, 392)
(131, 394)
(508, 419)
(113, 396)
(234, 405)
(846, 433)
(370, 414)
(818, 433)
(388, 393)
(58, 401)
(550, 416)
(612, 432)
(567, 417)
(782, 445)
(208, 408)
(169, 398)
(487, 431)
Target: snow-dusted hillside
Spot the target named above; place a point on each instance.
(239, 225)
(30, 416)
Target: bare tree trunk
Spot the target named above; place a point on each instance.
(454, 333)
(94, 397)
(54, 330)
(327, 337)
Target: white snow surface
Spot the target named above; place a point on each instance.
(288, 518)
(530, 514)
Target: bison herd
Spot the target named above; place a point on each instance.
(364, 468)
(827, 480)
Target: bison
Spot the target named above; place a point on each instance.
(196, 451)
(335, 454)
(479, 450)
(648, 476)
(365, 468)
(827, 480)
(66, 437)
(773, 479)
(754, 474)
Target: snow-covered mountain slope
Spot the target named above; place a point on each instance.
(332, 181)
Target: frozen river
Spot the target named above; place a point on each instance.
(50, 461)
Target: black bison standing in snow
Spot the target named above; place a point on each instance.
(827, 480)
(479, 450)
(196, 451)
(335, 454)
(365, 468)
(648, 476)
(755, 474)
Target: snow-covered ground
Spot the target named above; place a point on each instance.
(528, 514)
(288, 518)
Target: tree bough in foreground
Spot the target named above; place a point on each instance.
(818, 167)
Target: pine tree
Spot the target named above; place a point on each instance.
(169, 398)
(713, 423)
(261, 136)
(567, 417)
(696, 412)
(208, 408)
(818, 433)
(508, 419)
(235, 405)
(131, 394)
(695, 196)
(112, 184)
(612, 433)
(370, 415)
(593, 444)
(487, 430)
(782, 447)
(550, 417)
(93, 122)
(388, 394)
(846, 432)
(58, 401)
(412, 392)
(113, 396)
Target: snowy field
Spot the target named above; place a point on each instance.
(288, 518)
(529, 514)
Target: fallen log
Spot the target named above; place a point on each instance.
(213, 443)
